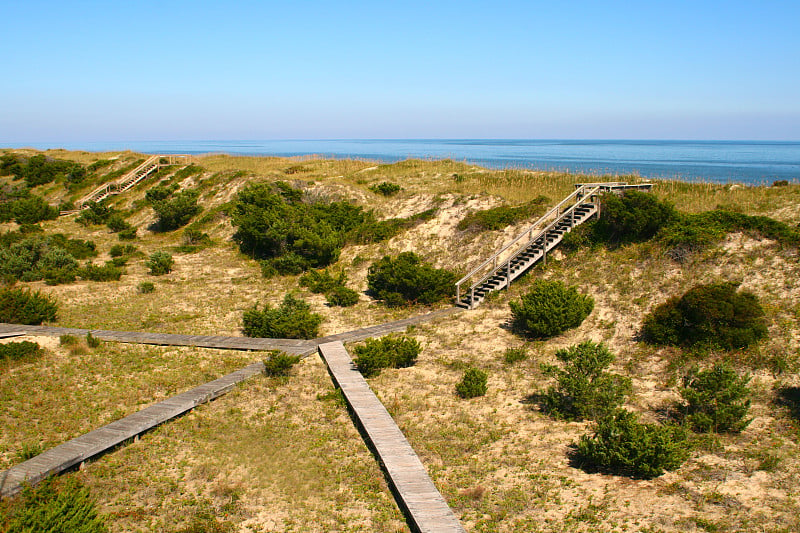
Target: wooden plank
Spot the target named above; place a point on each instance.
(416, 495)
(79, 449)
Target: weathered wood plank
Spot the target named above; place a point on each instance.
(417, 496)
(86, 446)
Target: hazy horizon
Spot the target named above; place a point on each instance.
(91, 72)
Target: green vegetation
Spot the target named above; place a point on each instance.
(40, 169)
(279, 363)
(53, 506)
(323, 282)
(633, 217)
(293, 319)
(514, 355)
(501, 217)
(717, 399)
(710, 315)
(146, 287)
(174, 209)
(15, 351)
(548, 309)
(96, 213)
(390, 351)
(584, 389)
(122, 250)
(623, 445)
(473, 384)
(386, 188)
(406, 279)
(107, 272)
(23, 306)
(160, 263)
(273, 222)
(52, 258)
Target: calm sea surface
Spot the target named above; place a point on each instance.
(716, 161)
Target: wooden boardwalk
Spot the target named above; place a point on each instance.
(423, 505)
(79, 449)
(168, 339)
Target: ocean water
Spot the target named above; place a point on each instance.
(750, 162)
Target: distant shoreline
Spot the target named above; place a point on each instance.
(749, 162)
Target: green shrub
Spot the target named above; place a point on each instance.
(633, 217)
(107, 272)
(322, 281)
(584, 390)
(503, 216)
(92, 341)
(473, 384)
(548, 309)
(623, 445)
(146, 287)
(95, 214)
(716, 399)
(342, 296)
(116, 223)
(22, 306)
(68, 340)
(279, 363)
(32, 210)
(56, 505)
(293, 319)
(714, 315)
(160, 263)
(514, 355)
(127, 234)
(176, 210)
(119, 250)
(407, 279)
(14, 351)
(390, 351)
(385, 188)
(56, 266)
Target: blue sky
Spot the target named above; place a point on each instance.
(100, 71)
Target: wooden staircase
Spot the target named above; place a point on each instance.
(129, 180)
(532, 245)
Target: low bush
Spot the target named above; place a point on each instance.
(23, 306)
(500, 217)
(716, 399)
(713, 315)
(514, 355)
(390, 351)
(107, 272)
(120, 250)
(623, 445)
(279, 363)
(342, 296)
(97, 213)
(633, 217)
(548, 309)
(176, 210)
(14, 351)
(127, 234)
(146, 287)
(584, 389)
(160, 263)
(92, 341)
(473, 384)
(293, 319)
(55, 505)
(322, 281)
(117, 223)
(385, 188)
(406, 279)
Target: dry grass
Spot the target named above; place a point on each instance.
(280, 455)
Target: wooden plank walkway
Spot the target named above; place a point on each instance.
(79, 449)
(423, 505)
(168, 339)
